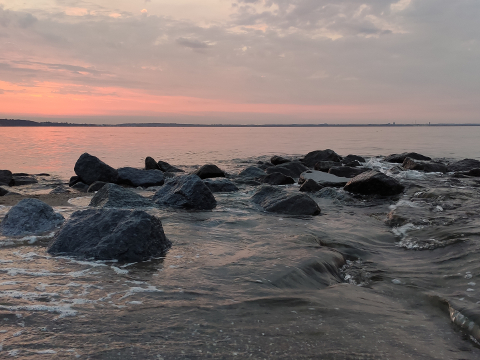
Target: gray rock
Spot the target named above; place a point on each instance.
(187, 191)
(29, 217)
(374, 182)
(411, 164)
(323, 178)
(220, 185)
(111, 234)
(6, 177)
(320, 155)
(277, 200)
(3, 191)
(400, 158)
(97, 185)
(277, 160)
(136, 177)
(252, 172)
(166, 167)
(80, 186)
(464, 165)
(209, 171)
(277, 178)
(60, 190)
(114, 196)
(310, 186)
(90, 169)
(292, 169)
(325, 165)
(24, 180)
(151, 164)
(346, 171)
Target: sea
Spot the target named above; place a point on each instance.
(241, 283)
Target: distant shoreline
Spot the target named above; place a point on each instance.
(30, 123)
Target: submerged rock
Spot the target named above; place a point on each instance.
(166, 167)
(187, 191)
(252, 172)
(374, 182)
(325, 165)
(277, 160)
(136, 177)
(400, 158)
(19, 180)
(29, 217)
(346, 171)
(80, 186)
(419, 165)
(464, 165)
(111, 234)
(310, 185)
(115, 196)
(90, 169)
(97, 185)
(220, 185)
(273, 199)
(6, 177)
(209, 171)
(151, 164)
(60, 190)
(323, 178)
(278, 179)
(314, 157)
(292, 169)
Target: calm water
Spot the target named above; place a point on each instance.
(244, 284)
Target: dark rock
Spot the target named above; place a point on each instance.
(42, 174)
(209, 171)
(310, 186)
(325, 165)
(400, 158)
(374, 182)
(166, 167)
(111, 234)
(346, 171)
(20, 174)
(24, 180)
(321, 155)
(80, 186)
(30, 216)
(351, 157)
(474, 172)
(151, 164)
(278, 179)
(323, 178)
(351, 163)
(411, 164)
(277, 160)
(73, 180)
(273, 199)
(464, 165)
(264, 165)
(220, 185)
(292, 169)
(136, 177)
(252, 172)
(114, 196)
(3, 191)
(60, 190)
(187, 191)
(97, 185)
(6, 177)
(90, 169)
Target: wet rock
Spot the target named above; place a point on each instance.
(264, 165)
(166, 167)
(3, 191)
(406, 214)
(136, 177)
(111, 234)
(310, 186)
(374, 182)
(20, 174)
(346, 171)
(278, 179)
(351, 163)
(252, 172)
(90, 169)
(220, 185)
(273, 199)
(321, 155)
(411, 164)
(29, 217)
(6, 177)
(97, 185)
(73, 180)
(24, 180)
(115, 196)
(323, 178)
(464, 165)
(151, 164)
(292, 169)
(60, 190)
(80, 186)
(351, 157)
(209, 171)
(473, 172)
(277, 160)
(328, 193)
(187, 191)
(325, 165)
(400, 158)
(42, 174)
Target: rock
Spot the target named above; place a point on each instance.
(351, 163)
(20, 174)
(24, 180)
(278, 179)
(209, 171)
(325, 165)
(3, 191)
(464, 165)
(277, 160)
(80, 186)
(115, 196)
(60, 190)
(292, 169)
(400, 158)
(474, 172)
(73, 180)
(310, 186)
(351, 157)
(220, 185)
(187, 191)
(151, 164)
(97, 185)
(90, 169)
(252, 172)
(166, 167)
(6, 177)
(374, 182)
(346, 171)
(264, 165)
(111, 234)
(323, 178)
(277, 200)
(29, 217)
(42, 174)
(136, 177)
(411, 164)
(321, 155)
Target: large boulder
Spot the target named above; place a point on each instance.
(151, 164)
(427, 166)
(320, 155)
(278, 179)
(464, 165)
(325, 165)
(166, 167)
(111, 234)
(374, 182)
(209, 171)
(187, 191)
(19, 180)
(252, 172)
(292, 169)
(90, 169)
(28, 217)
(136, 177)
(346, 171)
(323, 179)
(277, 160)
(400, 158)
(115, 196)
(350, 158)
(310, 186)
(6, 177)
(273, 199)
(220, 185)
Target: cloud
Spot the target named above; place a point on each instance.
(192, 43)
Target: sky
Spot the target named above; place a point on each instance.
(240, 61)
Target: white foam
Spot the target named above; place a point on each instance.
(64, 311)
(401, 231)
(46, 352)
(135, 290)
(119, 271)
